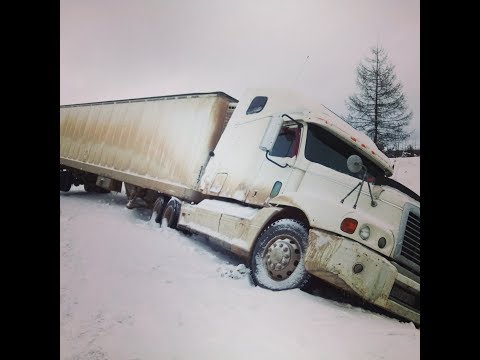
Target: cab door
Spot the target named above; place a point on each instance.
(276, 167)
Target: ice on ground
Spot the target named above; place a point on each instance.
(235, 272)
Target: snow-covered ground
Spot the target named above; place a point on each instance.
(407, 172)
(130, 290)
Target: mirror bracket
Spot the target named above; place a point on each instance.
(269, 159)
(300, 125)
(355, 164)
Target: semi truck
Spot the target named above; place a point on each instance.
(275, 178)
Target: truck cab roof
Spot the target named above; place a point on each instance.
(297, 105)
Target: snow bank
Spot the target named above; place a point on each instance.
(407, 172)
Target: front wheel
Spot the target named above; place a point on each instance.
(278, 257)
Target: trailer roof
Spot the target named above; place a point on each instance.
(152, 98)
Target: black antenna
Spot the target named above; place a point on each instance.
(334, 113)
(300, 71)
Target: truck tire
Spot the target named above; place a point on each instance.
(65, 180)
(158, 209)
(277, 262)
(170, 213)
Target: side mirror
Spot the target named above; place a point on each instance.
(354, 163)
(271, 133)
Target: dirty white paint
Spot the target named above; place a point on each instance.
(244, 212)
(165, 139)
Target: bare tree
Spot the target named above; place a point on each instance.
(380, 108)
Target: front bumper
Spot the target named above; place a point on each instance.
(332, 258)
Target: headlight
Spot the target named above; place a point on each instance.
(364, 232)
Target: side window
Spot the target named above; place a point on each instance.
(287, 143)
(257, 104)
(326, 149)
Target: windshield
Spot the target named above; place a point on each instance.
(322, 147)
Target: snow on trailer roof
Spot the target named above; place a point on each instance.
(152, 98)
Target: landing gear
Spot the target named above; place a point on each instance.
(91, 187)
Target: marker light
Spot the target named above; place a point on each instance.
(276, 189)
(349, 225)
(382, 242)
(357, 268)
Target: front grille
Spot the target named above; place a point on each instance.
(411, 239)
(407, 251)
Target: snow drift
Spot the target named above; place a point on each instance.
(131, 290)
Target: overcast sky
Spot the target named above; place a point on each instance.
(116, 49)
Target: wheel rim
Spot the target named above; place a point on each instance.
(281, 257)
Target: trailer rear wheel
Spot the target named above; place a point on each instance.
(278, 257)
(66, 179)
(171, 213)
